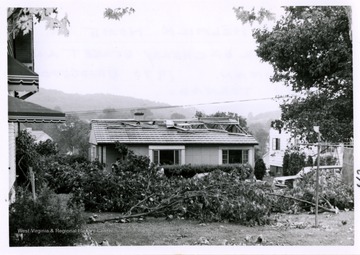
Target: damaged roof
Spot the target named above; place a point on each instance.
(170, 132)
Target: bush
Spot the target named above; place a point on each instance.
(218, 196)
(331, 189)
(260, 169)
(64, 174)
(222, 196)
(46, 221)
(293, 162)
(188, 171)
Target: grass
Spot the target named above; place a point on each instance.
(288, 230)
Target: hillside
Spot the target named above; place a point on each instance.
(103, 105)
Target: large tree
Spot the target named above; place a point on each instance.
(310, 50)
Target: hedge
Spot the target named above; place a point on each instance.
(189, 171)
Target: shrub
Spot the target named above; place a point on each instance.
(293, 162)
(331, 190)
(46, 221)
(189, 171)
(64, 173)
(225, 196)
(260, 169)
(309, 161)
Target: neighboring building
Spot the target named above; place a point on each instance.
(280, 141)
(22, 83)
(212, 141)
(38, 135)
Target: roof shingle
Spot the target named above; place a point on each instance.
(109, 131)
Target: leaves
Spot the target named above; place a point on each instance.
(117, 13)
(251, 16)
(310, 50)
(22, 19)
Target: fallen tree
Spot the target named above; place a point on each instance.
(333, 210)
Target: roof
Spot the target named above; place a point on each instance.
(21, 75)
(22, 111)
(38, 135)
(156, 132)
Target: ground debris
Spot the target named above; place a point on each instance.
(254, 240)
(203, 241)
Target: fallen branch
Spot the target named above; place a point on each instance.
(129, 216)
(333, 210)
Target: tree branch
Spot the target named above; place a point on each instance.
(307, 202)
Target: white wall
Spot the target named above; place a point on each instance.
(276, 156)
(12, 160)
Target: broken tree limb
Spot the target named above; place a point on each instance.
(333, 210)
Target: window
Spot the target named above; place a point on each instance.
(166, 157)
(276, 144)
(235, 156)
(167, 154)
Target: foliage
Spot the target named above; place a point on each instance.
(121, 148)
(45, 221)
(47, 148)
(260, 169)
(26, 156)
(293, 162)
(63, 174)
(251, 16)
(73, 136)
(231, 115)
(331, 190)
(309, 161)
(328, 160)
(117, 13)
(310, 49)
(21, 19)
(188, 171)
(139, 188)
(223, 196)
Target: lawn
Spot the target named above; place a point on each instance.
(287, 230)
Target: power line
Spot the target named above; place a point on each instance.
(140, 108)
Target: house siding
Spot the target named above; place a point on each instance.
(194, 154)
(276, 155)
(12, 160)
(199, 154)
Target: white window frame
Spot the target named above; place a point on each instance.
(181, 148)
(249, 150)
(276, 145)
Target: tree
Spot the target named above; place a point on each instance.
(251, 16)
(260, 169)
(231, 115)
(73, 136)
(26, 156)
(176, 115)
(117, 13)
(261, 133)
(293, 162)
(47, 148)
(310, 50)
(22, 19)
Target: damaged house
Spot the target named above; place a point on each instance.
(212, 141)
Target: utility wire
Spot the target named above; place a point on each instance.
(141, 108)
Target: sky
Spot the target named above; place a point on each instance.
(174, 52)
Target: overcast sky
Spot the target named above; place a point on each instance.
(175, 52)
